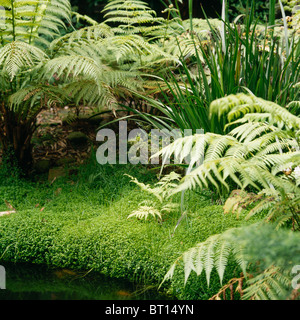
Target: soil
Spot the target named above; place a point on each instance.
(51, 146)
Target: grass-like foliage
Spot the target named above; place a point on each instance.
(227, 58)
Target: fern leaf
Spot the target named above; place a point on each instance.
(269, 285)
(17, 56)
(221, 258)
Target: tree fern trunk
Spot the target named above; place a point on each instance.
(15, 139)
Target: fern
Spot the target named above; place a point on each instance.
(35, 21)
(30, 26)
(17, 56)
(246, 245)
(271, 284)
(132, 16)
(254, 154)
(247, 150)
(144, 211)
(161, 192)
(88, 34)
(212, 253)
(236, 106)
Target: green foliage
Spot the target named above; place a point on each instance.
(256, 153)
(162, 190)
(92, 230)
(247, 245)
(34, 22)
(28, 29)
(237, 7)
(223, 59)
(129, 15)
(261, 152)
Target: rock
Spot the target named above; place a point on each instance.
(55, 173)
(64, 161)
(42, 166)
(77, 138)
(95, 120)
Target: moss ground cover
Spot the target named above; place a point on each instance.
(80, 222)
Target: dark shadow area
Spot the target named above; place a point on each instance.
(39, 282)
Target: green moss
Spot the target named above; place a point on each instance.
(85, 226)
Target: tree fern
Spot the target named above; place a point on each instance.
(90, 33)
(29, 28)
(246, 245)
(131, 16)
(207, 255)
(237, 106)
(35, 21)
(17, 56)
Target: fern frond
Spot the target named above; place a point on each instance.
(90, 33)
(26, 102)
(128, 12)
(212, 253)
(268, 285)
(236, 106)
(34, 21)
(154, 191)
(19, 56)
(246, 245)
(143, 212)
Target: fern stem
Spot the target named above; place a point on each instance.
(13, 19)
(295, 216)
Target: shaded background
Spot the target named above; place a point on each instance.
(212, 8)
(93, 8)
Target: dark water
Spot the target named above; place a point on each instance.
(36, 282)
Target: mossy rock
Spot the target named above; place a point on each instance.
(77, 138)
(64, 161)
(55, 173)
(42, 166)
(95, 120)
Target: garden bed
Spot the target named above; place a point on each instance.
(80, 223)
